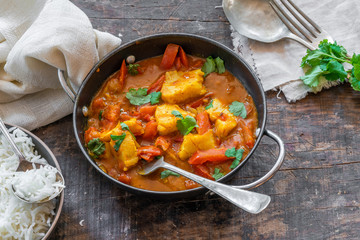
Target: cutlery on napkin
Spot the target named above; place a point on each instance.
(36, 38)
(278, 64)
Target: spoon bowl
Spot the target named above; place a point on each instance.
(25, 165)
(251, 202)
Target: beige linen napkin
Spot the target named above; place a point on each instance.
(278, 64)
(37, 37)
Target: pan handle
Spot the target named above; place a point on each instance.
(67, 85)
(276, 166)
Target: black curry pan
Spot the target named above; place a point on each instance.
(154, 45)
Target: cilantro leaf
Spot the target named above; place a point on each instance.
(166, 173)
(238, 109)
(155, 97)
(355, 77)
(230, 152)
(238, 157)
(237, 154)
(209, 66)
(312, 76)
(133, 69)
(118, 140)
(213, 65)
(96, 147)
(336, 71)
(219, 65)
(217, 174)
(186, 125)
(177, 114)
(138, 97)
(124, 127)
(100, 114)
(210, 105)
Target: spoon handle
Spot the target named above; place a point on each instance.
(249, 201)
(16, 150)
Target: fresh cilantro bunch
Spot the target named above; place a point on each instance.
(327, 61)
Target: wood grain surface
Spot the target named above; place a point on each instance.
(315, 195)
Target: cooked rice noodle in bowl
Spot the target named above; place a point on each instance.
(20, 220)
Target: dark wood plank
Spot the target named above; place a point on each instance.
(315, 195)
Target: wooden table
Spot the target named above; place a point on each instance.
(315, 195)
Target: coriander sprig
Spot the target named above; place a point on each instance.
(327, 61)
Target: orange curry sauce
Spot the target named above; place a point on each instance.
(111, 101)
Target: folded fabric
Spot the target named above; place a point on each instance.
(38, 37)
(278, 64)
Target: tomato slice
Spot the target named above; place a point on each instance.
(169, 56)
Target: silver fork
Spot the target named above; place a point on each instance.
(305, 30)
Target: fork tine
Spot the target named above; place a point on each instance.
(283, 19)
(317, 27)
(288, 18)
(296, 15)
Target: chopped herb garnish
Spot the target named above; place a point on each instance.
(219, 65)
(118, 140)
(209, 66)
(100, 114)
(155, 97)
(184, 125)
(177, 114)
(96, 147)
(237, 154)
(166, 173)
(133, 69)
(125, 127)
(210, 105)
(238, 109)
(213, 65)
(217, 174)
(138, 97)
(327, 61)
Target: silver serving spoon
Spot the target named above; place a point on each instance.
(256, 19)
(25, 164)
(249, 201)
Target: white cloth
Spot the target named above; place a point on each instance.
(278, 64)
(37, 37)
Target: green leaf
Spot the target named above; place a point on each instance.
(237, 154)
(177, 114)
(312, 76)
(209, 66)
(118, 140)
(155, 97)
(166, 173)
(230, 152)
(355, 77)
(124, 126)
(100, 114)
(186, 125)
(133, 69)
(238, 157)
(219, 65)
(210, 105)
(355, 59)
(336, 70)
(217, 174)
(238, 109)
(138, 97)
(96, 147)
